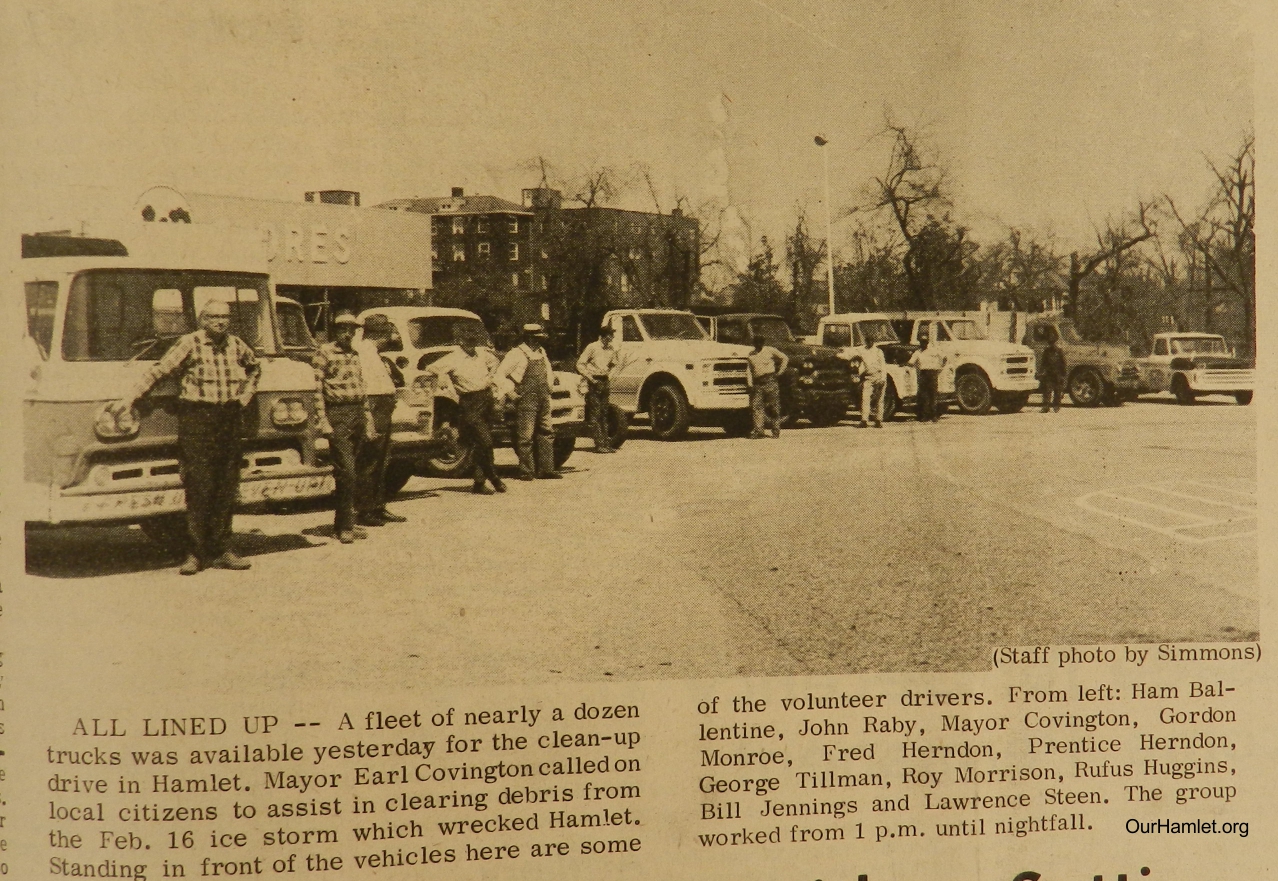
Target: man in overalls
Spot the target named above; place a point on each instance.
(526, 371)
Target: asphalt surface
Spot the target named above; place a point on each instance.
(914, 547)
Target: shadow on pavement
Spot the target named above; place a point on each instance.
(85, 552)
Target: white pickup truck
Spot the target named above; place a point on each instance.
(986, 372)
(1190, 365)
(671, 370)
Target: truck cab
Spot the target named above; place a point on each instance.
(96, 319)
(1096, 373)
(671, 369)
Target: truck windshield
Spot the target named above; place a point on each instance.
(440, 330)
(294, 334)
(1199, 346)
(672, 326)
(774, 330)
(136, 314)
(965, 330)
(1069, 333)
(871, 333)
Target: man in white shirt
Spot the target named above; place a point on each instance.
(370, 465)
(471, 370)
(596, 364)
(766, 364)
(526, 372)
(873, 371)
(928, 362)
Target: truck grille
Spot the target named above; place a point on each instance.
(730, 377)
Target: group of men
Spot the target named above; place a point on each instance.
(354, 406)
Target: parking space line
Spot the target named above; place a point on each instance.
(1193, 531)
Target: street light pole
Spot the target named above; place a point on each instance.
(829, 227)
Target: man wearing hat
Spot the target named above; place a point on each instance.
(526, 372)
(342, 412)
(596, 364)
(218, 374)
(370, 495)
(470, 370)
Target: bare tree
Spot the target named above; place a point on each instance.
(804, 255)
(1116, 239)
(1224, 236)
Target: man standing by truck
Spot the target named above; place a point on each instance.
(342, 411)
(929, 363)
(766, 364)
(527, 372)
(370, 493)
(470, 369)
(596, 364)
(218, 377)
(1051, 373)
(873, 371)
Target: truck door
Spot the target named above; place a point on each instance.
(630, 375)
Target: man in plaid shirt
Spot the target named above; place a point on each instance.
(218, 377)
(342, 410)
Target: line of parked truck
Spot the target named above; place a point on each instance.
(99, 313)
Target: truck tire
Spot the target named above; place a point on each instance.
(455, 458)
(1086, 388)
(1243, 398)
(668, 412)
(618, 425)
(1111, 397)
(563, 450)
(397, 474)
(975, 397)
(1184, 394)
(1011, 403)
(830, 413)
(168, 531)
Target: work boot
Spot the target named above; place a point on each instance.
(499, 486)
(878, 424)
(346, 538)
(231, 560)
(390, 517)
(776, 433)
(370, 519)
(756, 435)
(523, 476)
(190, 565)
(480, 489)
(550, 475)
(358, 532)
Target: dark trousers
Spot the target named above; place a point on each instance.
(1052, 388)
(477, 432)
(925, 408)
(343, 449)
(534, 433)
(597, 412)
(370, 494)
(209, 453)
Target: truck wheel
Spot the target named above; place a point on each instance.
(974, 393)
(397, 474)
(1012, 403)
(1086, 388)
(454, 458)
(168, 531)
(1184, 394)
(831, 413)
(891, 401)
(668, 412)
(1111, 397)
(1243, 398)
(618, 425)
(563, 450)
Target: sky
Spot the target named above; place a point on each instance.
(1050, 116)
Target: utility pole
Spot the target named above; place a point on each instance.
(829, 226)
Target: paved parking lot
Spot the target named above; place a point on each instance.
(915, 547)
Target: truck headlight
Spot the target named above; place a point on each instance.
(288, 413)
(108, 426)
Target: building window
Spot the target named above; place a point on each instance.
(459, 253)
(481, 224)
(514, 225)
(459, 226)
(514, 279)
(484, 249)
(625, 282)
(434, 252)
(635, 254)
(514, 250)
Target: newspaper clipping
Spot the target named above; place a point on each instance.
(767, 439)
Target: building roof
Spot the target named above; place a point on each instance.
(457, 205)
